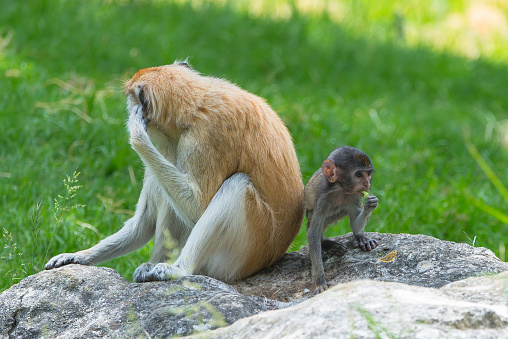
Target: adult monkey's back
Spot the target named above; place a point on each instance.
(221, 176)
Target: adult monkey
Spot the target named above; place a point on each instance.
(223, 178)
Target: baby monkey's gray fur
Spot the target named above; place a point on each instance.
(333, 192)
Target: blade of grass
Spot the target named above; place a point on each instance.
(487, 170)
(499, 215)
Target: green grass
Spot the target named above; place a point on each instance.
(403, 85)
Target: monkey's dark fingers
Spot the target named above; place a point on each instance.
(145, 122)
(371, 201)
(362, 246)
(65, 259)
(145, 114)
(369, 245)
(364, 243)
(138, 112)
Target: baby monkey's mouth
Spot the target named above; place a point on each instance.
(364, 194)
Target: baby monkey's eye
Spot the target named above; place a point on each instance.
(358, 174)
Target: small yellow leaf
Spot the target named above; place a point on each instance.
(389, 257)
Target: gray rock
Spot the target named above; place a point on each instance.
(410, 259)
(472, 308)
(96, 302)
(86, 302)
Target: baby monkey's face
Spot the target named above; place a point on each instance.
(360, 180)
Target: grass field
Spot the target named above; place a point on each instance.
(408, 82)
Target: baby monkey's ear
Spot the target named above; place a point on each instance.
(330, 170)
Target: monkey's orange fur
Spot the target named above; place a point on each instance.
(237, 132)
(217, 148)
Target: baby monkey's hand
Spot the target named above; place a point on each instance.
(371, 202)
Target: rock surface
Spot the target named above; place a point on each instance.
(472, 308)
(90, 302)
(96, 302)
(410, 259)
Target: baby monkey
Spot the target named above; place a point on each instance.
(334, 191)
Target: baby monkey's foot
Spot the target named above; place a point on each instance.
(335, 248)
(321, 288)
(364, 243)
